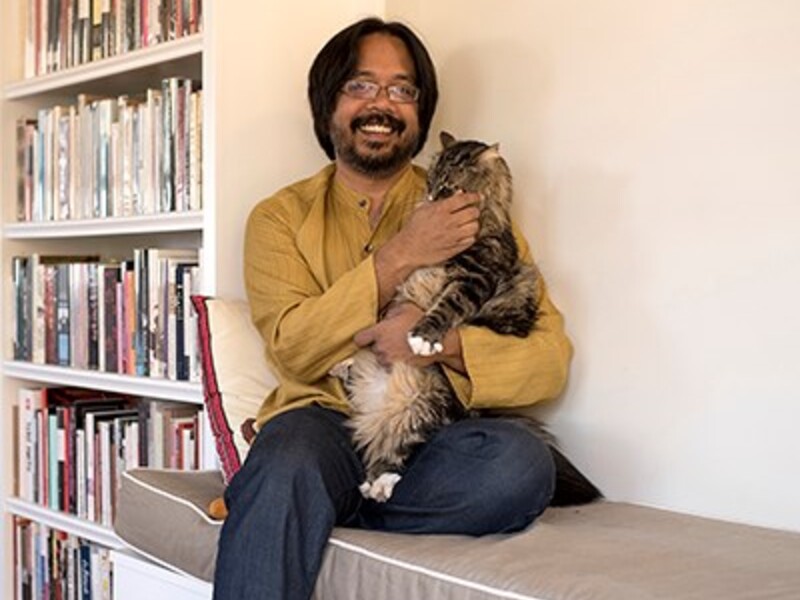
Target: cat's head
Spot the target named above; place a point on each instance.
(464, 165)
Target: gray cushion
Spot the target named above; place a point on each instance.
(605, 550)
(161, 513)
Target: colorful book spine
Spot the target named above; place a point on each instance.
(130, 317)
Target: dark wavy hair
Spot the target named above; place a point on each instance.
(337, 61)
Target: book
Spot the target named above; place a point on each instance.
(22, 305)
(63, 345)
(50, 315)
(100, 461)
(108, 318)
(29, 401)
(161, 305)
(163, 431)
(26, 130)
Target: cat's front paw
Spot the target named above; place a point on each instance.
(422, 347)
(381, 489)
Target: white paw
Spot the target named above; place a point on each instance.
(381, 489)
(364, 489)
(422, 347)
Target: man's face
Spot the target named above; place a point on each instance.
(377, 136)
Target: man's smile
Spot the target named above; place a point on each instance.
(377, 124)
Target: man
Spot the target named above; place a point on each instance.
(322, 259)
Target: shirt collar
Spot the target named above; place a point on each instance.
(407, 183)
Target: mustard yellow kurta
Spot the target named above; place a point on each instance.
(311, 285)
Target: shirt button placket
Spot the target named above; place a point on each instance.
(364, 205)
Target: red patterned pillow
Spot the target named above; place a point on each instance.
(236, 377)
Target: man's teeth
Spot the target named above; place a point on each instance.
(376, 128)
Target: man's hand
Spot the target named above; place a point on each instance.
(388, 339)
(435, 232)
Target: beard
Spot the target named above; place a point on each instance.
(377, 160)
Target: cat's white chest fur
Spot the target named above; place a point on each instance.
(370, 382)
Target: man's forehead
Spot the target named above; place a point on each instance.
(384, 55)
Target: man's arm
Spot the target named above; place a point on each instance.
(487, 369)
(505, 371)
(388, 339)
(307, 329)
(435, 232)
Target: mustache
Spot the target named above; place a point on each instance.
(378, 118)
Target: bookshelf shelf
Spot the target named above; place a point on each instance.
(162, 389)
(182, 57)
(64, 522)
(115, 226)
(140, 76)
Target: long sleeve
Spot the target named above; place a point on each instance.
(307, 328)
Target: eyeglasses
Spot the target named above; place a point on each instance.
(402, 93)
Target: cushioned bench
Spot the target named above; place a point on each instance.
(605, 550)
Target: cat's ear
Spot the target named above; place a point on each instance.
(490, 152)
(447, 139)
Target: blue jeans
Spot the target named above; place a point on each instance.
(301, 477)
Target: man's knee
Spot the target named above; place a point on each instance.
(518, 478)
(305, 450)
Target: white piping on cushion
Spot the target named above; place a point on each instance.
(430, 572)
(173, 497)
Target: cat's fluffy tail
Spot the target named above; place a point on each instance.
(572, 486)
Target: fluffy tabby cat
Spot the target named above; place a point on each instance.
(396, 410)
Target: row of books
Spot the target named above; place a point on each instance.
(74, 445)
(65, 33)
(50, 563)
(106, 157)
(133, 317)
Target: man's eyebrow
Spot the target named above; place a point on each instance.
(371, 75)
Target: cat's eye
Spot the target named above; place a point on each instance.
(442, 192)
(364, 89)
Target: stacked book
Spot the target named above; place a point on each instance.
(54, 564)
(65, 33)
(112, 157)
(74, 445)
(129, 316)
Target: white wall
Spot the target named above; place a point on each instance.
(656, 148)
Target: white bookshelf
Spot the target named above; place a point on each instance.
(115, 226)
(176, 57)
(64, 522)
(150, 387)
(130, 73)
(136, 578)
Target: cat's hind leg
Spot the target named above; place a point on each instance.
(380, 489)
(415, 404)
